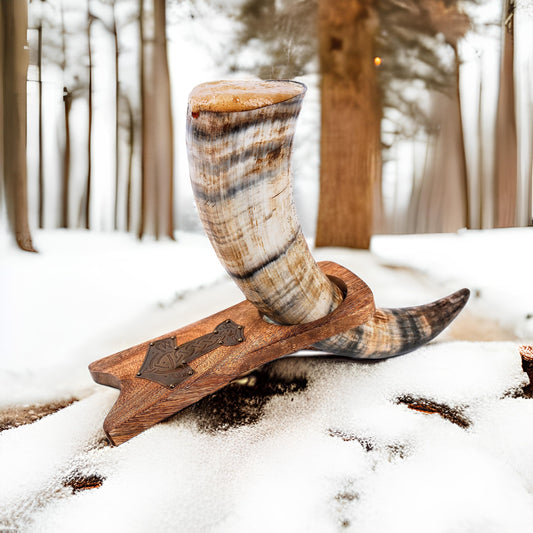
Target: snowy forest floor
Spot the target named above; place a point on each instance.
(438, 440)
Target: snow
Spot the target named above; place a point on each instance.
(344, 452)
(496, 264)
(81, 288)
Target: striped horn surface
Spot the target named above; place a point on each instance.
(239, 142)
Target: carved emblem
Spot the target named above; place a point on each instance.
(166, 363)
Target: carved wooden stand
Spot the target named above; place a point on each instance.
(158, 378)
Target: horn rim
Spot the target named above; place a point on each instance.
(301, 94)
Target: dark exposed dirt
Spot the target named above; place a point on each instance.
(243, 402)
(367, 444)
(347, 496)
(452, 414)
(15, 416)
(78, 481)
(395, 450)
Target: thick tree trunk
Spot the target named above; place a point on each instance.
(157, 134)
(165, 146)
(506, 167)
(13, 27)
(350, 152)
(151, 135)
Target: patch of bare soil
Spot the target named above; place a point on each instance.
(394, 450)
(78, 481)
(243, 401)
(15, 416)
(452, 414)
(367, 444)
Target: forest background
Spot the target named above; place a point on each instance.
(434, 98)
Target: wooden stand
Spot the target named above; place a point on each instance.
(156, 380)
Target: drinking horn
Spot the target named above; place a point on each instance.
(239, 140)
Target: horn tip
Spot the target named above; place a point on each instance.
(460, 299)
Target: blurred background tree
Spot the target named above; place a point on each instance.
(371, 52)
(13, 72)
(505, 153)
(157, 200)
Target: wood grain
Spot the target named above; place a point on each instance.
(143, 403)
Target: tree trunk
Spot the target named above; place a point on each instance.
(419, 202)
(529, 174)
(90, 119)
(41, 166)
(461, 152)
(67, 100)
(67, 103)
(13, 25)
(157, 165)
(350, 151)
(150, 133)
(165, 146)
(506, 157)
(442, 195)
(117, 104)
(131, 145)
(3, 201)
(142, 89)
(480, 158)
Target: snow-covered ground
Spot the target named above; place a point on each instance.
(303, 445)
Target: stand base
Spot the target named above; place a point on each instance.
(156, 386)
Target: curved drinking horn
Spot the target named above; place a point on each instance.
(239, 140)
